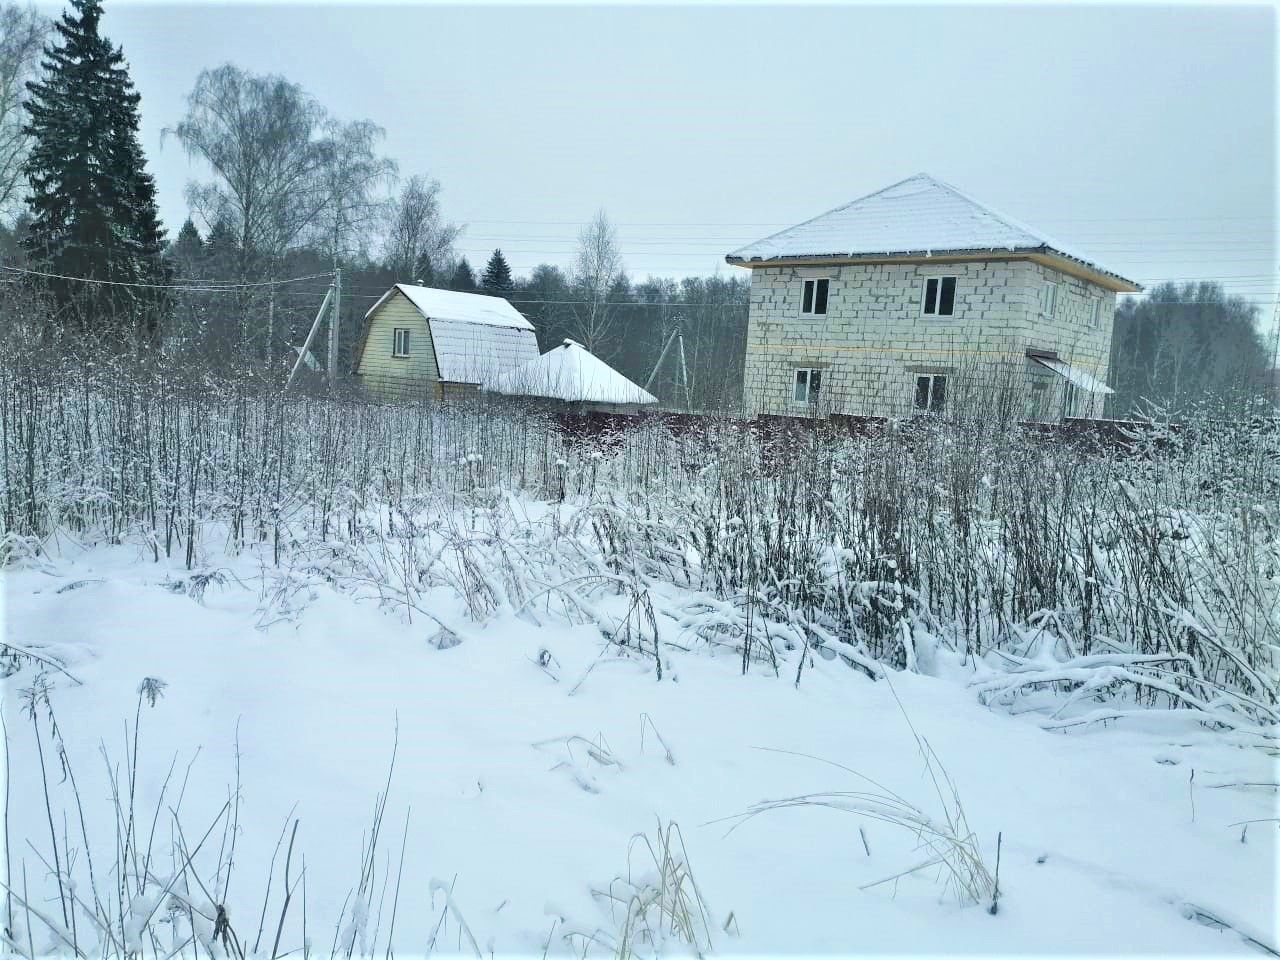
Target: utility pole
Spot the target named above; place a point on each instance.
(311, 336)
(1274, 373)
(674, 337)
(335, 327)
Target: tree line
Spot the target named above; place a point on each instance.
(295, 192)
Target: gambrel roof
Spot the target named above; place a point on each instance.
(475, 337)
(435, 304)
(919, 217)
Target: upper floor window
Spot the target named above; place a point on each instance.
(939, 297)
(400, 342)
(806, 385)
(813, 301)
(1095, 314)
(1049, 299)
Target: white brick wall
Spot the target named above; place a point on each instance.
(874, 340)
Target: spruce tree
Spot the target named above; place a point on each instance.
(187, 252)
(220, 333)
(92, 201)
(463, 278)
(497, 276)
(424, 271)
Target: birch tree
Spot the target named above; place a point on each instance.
(23, 32)
(260, 135)
(351, 175)
(597, 269)
(419, 242)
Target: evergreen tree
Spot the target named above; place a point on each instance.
(463, 278)
(221, 252)
(497, 276)
(425, 271)
(221, 260)
(189, 309)
(187, 252)
(92, 201)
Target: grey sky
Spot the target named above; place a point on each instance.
(1144, 135)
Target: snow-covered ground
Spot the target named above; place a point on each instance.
(529, 756)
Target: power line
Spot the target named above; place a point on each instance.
(779, 224)
(207, 286)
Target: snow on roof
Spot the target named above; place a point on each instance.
(1074, 375)
(475, 337)
(919, 216)
(454, 305)
(570, 372)
(473, 352)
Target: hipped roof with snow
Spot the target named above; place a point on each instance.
(919, 217)
(570, 372)
(474, 337)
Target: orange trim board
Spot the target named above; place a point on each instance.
(1061, 264)
(890, 354)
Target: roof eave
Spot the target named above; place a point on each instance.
(1099, 275)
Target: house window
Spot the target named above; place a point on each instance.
(1095, 314)
(400, 342)
(1049, 299)
(931, 393)
(806, 385)
(813, 301)
(938, 297)
(1070, 401)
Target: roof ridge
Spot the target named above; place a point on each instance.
(960, 222)
(1003, 217)
(464, 293)
(843, 206)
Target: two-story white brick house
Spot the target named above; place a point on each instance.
(919, 299)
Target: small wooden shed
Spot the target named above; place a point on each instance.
(424, 342)
(572, 378)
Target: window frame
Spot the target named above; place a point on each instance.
(811, 395)
(1071, 400)
(400, 351)
(930, 408)
(813, 298)
(1052, 310)
(1095, 314)
(937, 305)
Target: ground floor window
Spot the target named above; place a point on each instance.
(1070, 400)
(931, 393)
(806, 385)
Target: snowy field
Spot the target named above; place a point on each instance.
(314, 678)
(522, 785)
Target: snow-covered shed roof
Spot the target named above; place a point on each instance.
(477, 352)
(571, 372)
(916, 217)
(475, 337)
(1073, 375)
(437, 304)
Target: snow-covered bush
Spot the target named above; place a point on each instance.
(1087, 580)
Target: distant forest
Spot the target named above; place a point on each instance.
(296, 195)
(295, 192)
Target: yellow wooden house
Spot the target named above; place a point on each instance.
(420, 342)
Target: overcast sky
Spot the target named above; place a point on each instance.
(1144, 135)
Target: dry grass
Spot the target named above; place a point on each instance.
(949, 845)
(656, 905)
